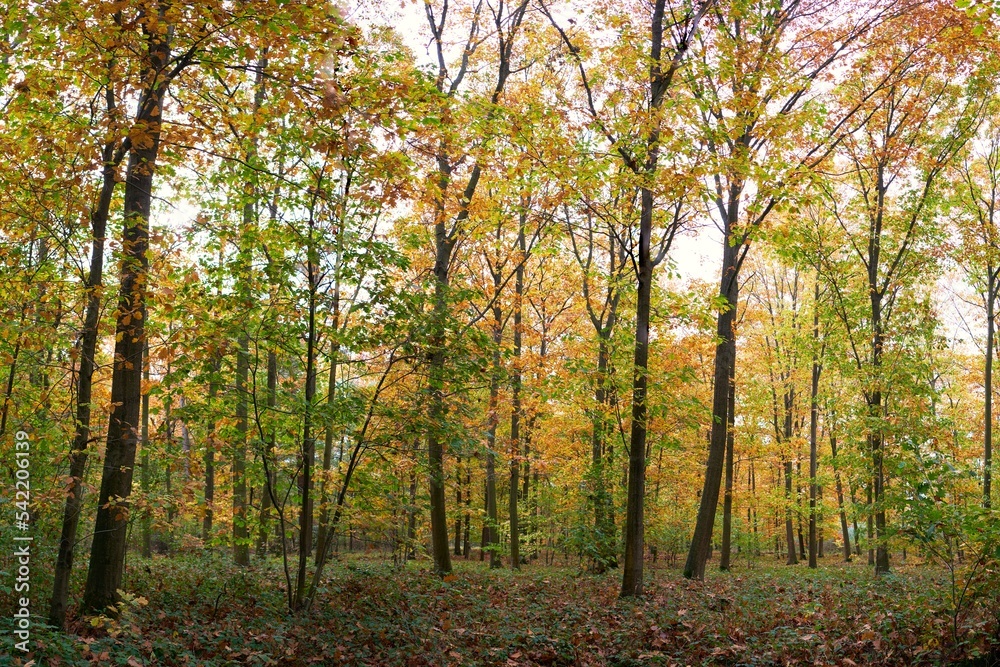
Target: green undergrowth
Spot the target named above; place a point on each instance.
(201, 610)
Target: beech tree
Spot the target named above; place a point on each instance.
(758, 121)
(449, 222)
(640, 153)
(978, 195)
(913, 128)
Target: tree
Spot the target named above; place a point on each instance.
(449, 228)
(159, 68)
(641, 156)
(109, 155)
(756, 112)
(978, 198)
(913, 128)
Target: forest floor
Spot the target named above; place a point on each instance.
(201, 610)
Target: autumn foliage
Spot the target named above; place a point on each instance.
(321, 317)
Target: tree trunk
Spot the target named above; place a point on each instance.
(491, 541)
(634, 548)
(84, 390)
(845, 532)
(213, 390)
(701, 542)
(526, 484)
(876, 410)
(308, 453)
(789, 527)
(466, 547)
(444, 244)
(820, 550)
(269, 475)
(458, 503)
(146, 475)
(798, 511)
(603, 522)
(515, 415)
(534, 514)
(168, 458)
(789, 471)
(11, 374)
(411, 521)
(484, 537)
(107, 555)
(727, 503)
(331, 392)
(870, 518)
(436, 380)
(659, 81)
(241, 549)
(991, 296)
(753, 504)
(854, 519)
(331, 388)
(813, 425)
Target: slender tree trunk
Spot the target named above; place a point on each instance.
(534, 514)
(854, 519)
(659, 81)
(168, 459)
(789, 527)
(241, 549)
(269, 475)
(819, 526)
(876, 411)
(603, 523)
(871, 530)
(206, 522)
(845, 532)
(458, 503)
(411, 525)
(331, 388)
(444, 245)
(798, 511)
(789, 469)
(107, 555)
(813, 425)
(634, 542)
(526, 471)
(991, 296)
(11, 374)
(484, 537)
(492, 543)
(186, 446)
(881, 549)
(146, 474)
(701, 542)
(210, 444)
(466, 546)
(753, 504)
(308, 453)
(435, 447)
(241, 529)
(515, 415)
(84, 391)
(727, 504)
(525, 486)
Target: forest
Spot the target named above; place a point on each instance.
(499, 332)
